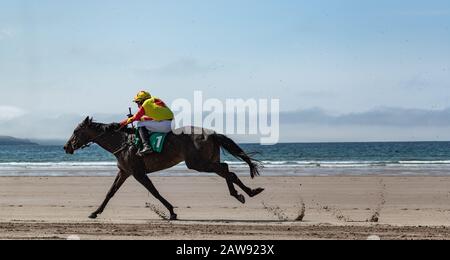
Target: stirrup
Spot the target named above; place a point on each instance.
(144, 151)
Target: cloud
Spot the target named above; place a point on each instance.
(46, 127)
(317, 94)
(9, 113)
(181, 68)
(396, 124)
(6, 33)
(425, 13)
(397, 117)
(417, 82)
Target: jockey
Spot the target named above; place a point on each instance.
(153, 116)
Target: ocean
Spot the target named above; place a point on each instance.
(291, 159)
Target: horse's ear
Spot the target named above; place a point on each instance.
(87, 121)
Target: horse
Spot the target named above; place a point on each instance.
(199, 148)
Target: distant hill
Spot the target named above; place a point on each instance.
(50, 142)
(8, 140)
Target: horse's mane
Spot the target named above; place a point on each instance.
(111, 127)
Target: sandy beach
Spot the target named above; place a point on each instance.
(334, 208)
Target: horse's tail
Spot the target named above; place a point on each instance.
(231, 147)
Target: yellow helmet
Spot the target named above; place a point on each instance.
(142, 96)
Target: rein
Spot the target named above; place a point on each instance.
(123, 147)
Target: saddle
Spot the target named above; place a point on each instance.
(157, 141)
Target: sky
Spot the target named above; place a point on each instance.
(350, 65)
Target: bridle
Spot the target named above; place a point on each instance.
(90, 143)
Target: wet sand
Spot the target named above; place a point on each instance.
(334, 208)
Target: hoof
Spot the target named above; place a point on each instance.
(173, 217)
(241, 198)
(256, 192)
(93, 216)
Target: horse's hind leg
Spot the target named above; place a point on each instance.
(235, 179)
(147, 183)
(221, 170)
(120, 179)
(231, 176)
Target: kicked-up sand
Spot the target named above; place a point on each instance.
(329, 207)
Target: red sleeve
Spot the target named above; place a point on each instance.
(136, 117)
(139, 114)
(160, 103)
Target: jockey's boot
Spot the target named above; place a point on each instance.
(145, 138)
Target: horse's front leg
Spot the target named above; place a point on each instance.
(143, 179)
(120, 179)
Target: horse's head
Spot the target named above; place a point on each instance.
(83, 135)
(88, 132)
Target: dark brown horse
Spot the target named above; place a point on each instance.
(201, 152)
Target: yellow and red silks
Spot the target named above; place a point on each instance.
(153, 109)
